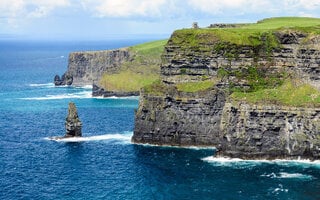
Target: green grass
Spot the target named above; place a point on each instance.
(142, 70)
(290, 93)
(195, 86)
(249, 34)
(157, 88)
(285, 22)
(154, 48)
(127, 81)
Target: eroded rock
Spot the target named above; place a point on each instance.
(73, 123)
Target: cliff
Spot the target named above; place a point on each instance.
(119, 72)
(86, 68)
(251, 91)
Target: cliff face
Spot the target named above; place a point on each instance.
(120, 72)
(168, 116)
(297, 52)
(179, 119)
(269, 131)
(86, 68)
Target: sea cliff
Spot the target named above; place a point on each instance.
(251, 91)
(88, 67)
(119, 72)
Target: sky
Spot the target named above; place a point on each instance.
(100, 19)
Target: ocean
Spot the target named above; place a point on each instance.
(104, 164)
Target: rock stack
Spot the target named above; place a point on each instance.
(73, 123)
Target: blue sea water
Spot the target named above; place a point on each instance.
(104, 164)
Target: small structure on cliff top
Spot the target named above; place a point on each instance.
(73, 123)
(195, 25)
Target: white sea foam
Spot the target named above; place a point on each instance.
(124, 138)
(78, 95)
(42, 85)
(295, 175)
(285, 175)
(128, 97)
(180, 147)
(279, 189)
(233, 162)
(84, 87)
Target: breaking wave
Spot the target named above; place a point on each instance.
(79, 95)
(42, 85)
(285, 175)
(84, 87)
(128, 97)
(51, 85)
(126, 138)
(236, 162)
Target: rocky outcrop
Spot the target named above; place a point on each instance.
(64, 80)
(100, 92)
(212, 117)
(86, 68)
(73, 124)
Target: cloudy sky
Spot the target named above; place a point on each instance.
(99, 19)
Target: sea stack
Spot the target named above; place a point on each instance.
(73, 123)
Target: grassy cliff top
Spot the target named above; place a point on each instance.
(246, 34)
(143, 69)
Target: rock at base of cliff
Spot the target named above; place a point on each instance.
(100, 92)
(64, 80)
(73, 124)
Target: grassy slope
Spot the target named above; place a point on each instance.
(291, 93)
(141, 71)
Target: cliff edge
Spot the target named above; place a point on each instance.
(119, 72)
(252, 91)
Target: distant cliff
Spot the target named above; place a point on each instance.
(252, 91)
(120, 72)
(86, 68)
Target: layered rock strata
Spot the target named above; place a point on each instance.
(213, 118)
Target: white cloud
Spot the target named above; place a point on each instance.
(215, 7)
(125, 8)
(302, 4)
(14, 13)
(45, 7)
(268, 7)
(29, 8)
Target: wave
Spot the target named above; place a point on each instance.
(84, 87)
(79, 95)
(52, 85)
(178, 147)
(42, 85)
(128, 97)
(279, 189)
(285, 175)
(236, 162)
(126, 138)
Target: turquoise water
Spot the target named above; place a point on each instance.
(104, 164)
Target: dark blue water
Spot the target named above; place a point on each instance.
(104, 164)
